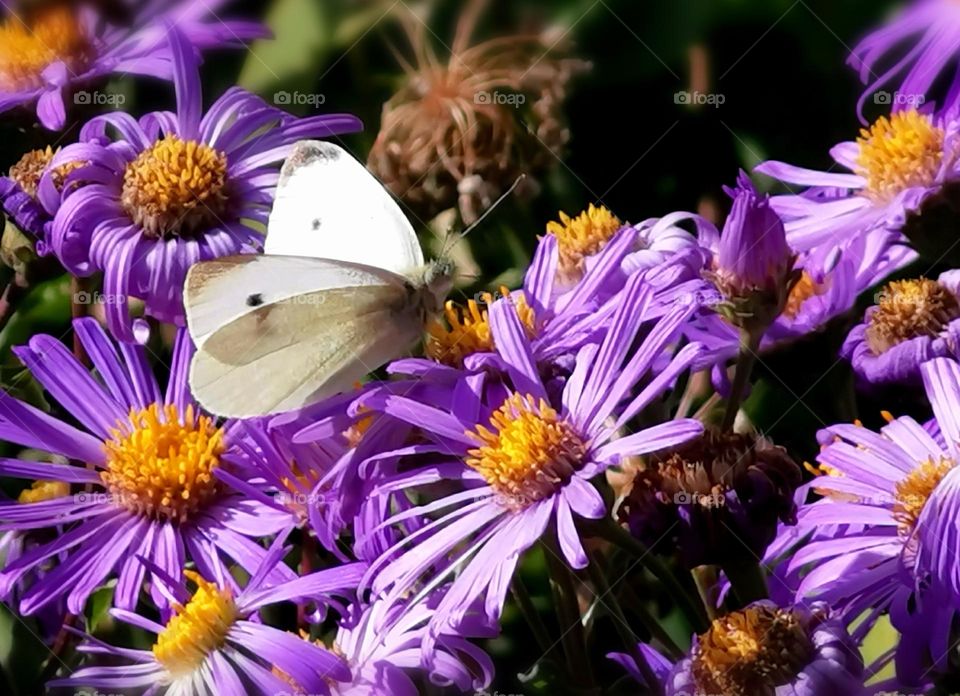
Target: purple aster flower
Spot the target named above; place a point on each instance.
(18, 192)
(899, 164)
(752, 267)
(931, 29)
(215, 644)
(763, 650)
(883, 535)
(753, 254)
(15, 543)
(559, 317)
(525, 458)
(49, 53)
(325, 467)
(143, 466)
(661, 240)
(912, 322)
(383, 649)
(828, 286)
(579, 239)
(170, 190)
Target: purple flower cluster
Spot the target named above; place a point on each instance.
(591, 419)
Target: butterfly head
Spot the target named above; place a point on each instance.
(438, 282)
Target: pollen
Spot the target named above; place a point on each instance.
(355, 433)
(467, 329)
(913, 492)
(528, 452)
(297, 487)
(580, 237)
(196, 629)
(30, 168)
(28, 46)
(899, 152)
(910, 309)
(803, 290)
(752, 651)
(176, 188)
(161, 465)
(41, 491)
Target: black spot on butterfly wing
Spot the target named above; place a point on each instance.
(316, 224)
(255, 300)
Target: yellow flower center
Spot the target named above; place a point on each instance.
(803, 290)
(29, 169)
(580, 237)
(752, 651)
(913, 492)
(28, 44)
(161, 466)
(41, 491)
(899, 152)
(176, 188)
(196, 629)
(909, 309)
(469, 329)
(529, 453)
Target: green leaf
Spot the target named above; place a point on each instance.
(45, 309)
(22, 653)
(18, 382)
(302, 33)
(98, 607)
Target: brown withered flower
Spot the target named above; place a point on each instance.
(460, 131)
(716, 498)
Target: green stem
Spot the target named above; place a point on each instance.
(749, 347)
(530, 614)
(608, 599)
(568, 610)
(705, 578)
(748, 581)
(615, 534)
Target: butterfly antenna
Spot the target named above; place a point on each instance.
(496, 203)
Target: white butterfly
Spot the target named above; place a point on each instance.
(341, 289)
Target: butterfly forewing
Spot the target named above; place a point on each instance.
(329, 206)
